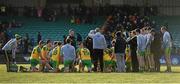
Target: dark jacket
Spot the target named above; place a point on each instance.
(120, 45)
(89, 44)
(79, 37)
(73, 40)
(133, 44)
(156, 43)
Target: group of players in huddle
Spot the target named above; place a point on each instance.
(50, 59)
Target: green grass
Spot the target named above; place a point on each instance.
(90, 77)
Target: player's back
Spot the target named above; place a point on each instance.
(85, 54)
(68, 51)
(35, 53)
(56, 53)
(45, 50)
(107, 56)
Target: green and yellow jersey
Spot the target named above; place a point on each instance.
(56, 54)
(36, 53)
(84, 53)
(44, 51)
(107, 55)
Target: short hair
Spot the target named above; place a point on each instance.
(79, 43)
(59, 43)
(55, 42)
(118, 34)
(48, 41)
(82, 42)
(164, 28)
(144, 28)
(134, 32)
(97, 29)
(152, 30)
(40, 42)
(149, 28)
(138, 30)
(113, 42)
(68, 40)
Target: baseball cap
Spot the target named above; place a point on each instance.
(17, 36)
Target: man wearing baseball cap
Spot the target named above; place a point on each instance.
(11, 45)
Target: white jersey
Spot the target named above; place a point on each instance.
(148, 40)
(141, 42)
(167, 41)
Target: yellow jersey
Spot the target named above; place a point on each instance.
(56, 54)
(84, 53)
(36, 53)
(107, 56)
(44, 51)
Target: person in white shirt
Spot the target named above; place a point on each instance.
(167, 46)
(149, 57)
(11, 45)
(141, 45)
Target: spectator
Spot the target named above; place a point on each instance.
(72, 21)
(15, 24)
(3, 10)
(26, 44)
(78, 21)
(32, 42)
(39, 37)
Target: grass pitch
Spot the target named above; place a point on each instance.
(90, 77)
